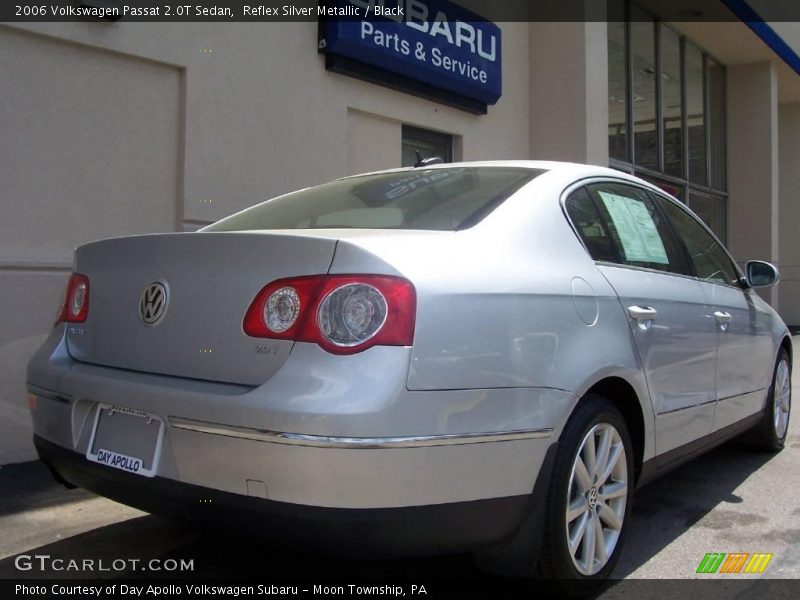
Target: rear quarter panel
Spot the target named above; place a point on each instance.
(514, 302)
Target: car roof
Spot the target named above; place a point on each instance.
(564, 169)
(547, 165)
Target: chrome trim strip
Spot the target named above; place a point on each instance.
(322, 441)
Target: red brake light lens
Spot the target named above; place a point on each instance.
(344, 314)
(75, 307)
(269, 315)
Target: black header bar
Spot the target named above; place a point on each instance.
(226, 11)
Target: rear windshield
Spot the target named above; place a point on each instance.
(445, 199)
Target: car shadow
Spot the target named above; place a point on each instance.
(663, 510)
(215, 555)
(29, 485)
(667, 507)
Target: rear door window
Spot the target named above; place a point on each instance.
(640, 234)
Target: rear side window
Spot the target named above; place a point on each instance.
(710, 261)
(639, 234)
(590, 226)
(437, 199)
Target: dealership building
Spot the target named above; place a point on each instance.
(117, 127)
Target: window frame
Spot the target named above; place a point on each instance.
(629, 165)
(669, 237)
(688, 212)
(435, 138)
(688, 264)
(581, 189)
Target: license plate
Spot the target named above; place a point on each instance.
(126, 439)
(119, 461)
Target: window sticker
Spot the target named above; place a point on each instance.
(636, 228)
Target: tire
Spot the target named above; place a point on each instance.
(770, 434)
(577, 571)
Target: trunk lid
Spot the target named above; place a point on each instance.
(209, 279)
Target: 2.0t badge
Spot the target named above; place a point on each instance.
(153, 303)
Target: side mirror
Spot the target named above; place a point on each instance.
(761, 274)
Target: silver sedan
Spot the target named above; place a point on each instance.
(485, 356)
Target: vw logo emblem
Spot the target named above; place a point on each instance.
(153, 303)
(592, 499)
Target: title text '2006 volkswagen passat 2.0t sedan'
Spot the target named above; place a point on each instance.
(484, 356)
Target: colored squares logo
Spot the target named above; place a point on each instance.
(734, 562)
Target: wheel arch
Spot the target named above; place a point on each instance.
(786, 344)
(624, 396)
(516, 556)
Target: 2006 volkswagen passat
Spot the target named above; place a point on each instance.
(488, 356)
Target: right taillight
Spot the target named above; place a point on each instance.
(344, 314)
(75, 307)
(352, 314)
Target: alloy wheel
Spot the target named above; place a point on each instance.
(782, 398)
(596, 498)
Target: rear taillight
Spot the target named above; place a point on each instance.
(75, 307)
(279, 309)
(344, 314)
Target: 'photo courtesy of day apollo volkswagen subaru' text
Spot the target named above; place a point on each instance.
(473, 356)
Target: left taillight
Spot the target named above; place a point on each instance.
(75, 307)
(344, 314)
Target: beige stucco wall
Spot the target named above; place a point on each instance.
(122, 128)
(752, 98)
(789, 234)
(373, 142)
(569, 92)
(90, 148)
(263, 116)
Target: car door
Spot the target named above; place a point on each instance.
(744, 333)
(666, 308)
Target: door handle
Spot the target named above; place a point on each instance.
(723, 318)
(642, 313)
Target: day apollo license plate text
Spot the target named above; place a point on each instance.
(126, 439)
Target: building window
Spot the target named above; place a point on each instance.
(617, 92)
(643, 71)
(670, 96)
(695, 114)
(715, 78)
(671, 101)
(426, 143)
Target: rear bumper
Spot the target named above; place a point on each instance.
(365, 532)
(313, 435)
(312, 456)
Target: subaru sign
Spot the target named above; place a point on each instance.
(420, 46)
